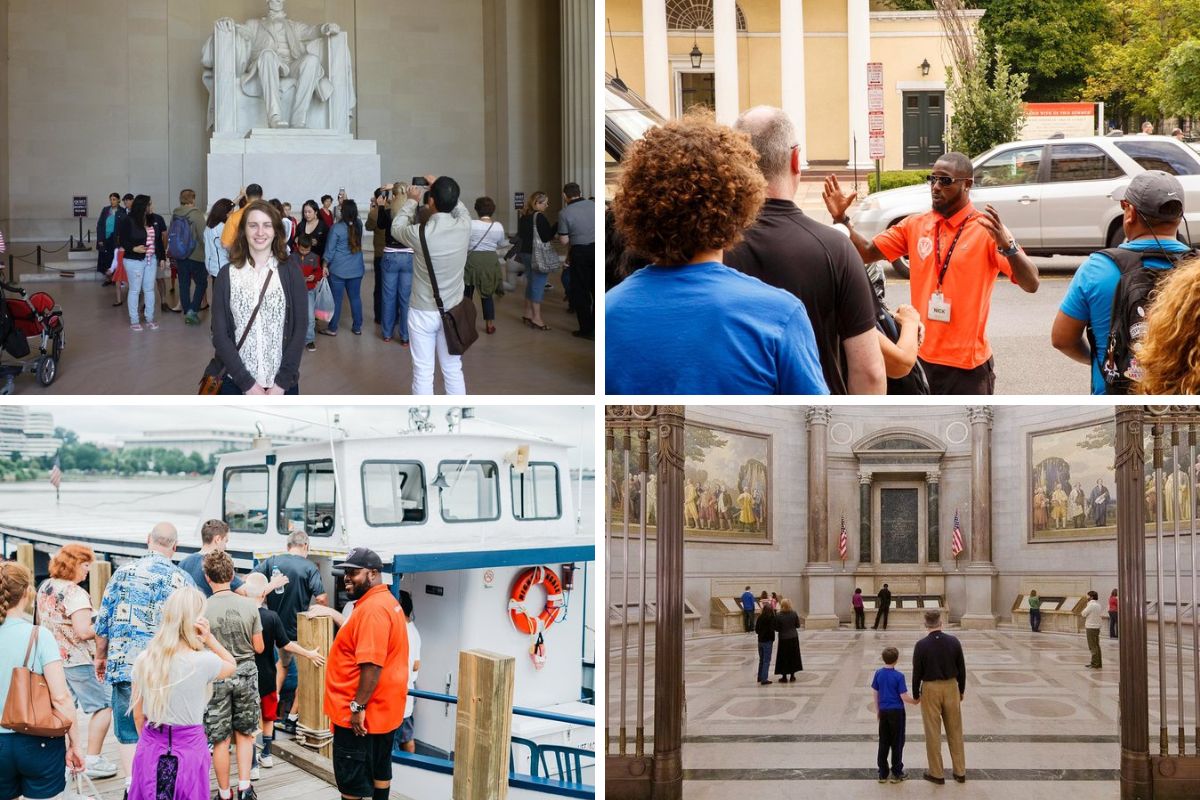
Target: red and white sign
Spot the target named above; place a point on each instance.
(878, 146)
(875, 73)
(875, 110)
(875, 122)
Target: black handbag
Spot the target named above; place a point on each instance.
(215, 374)
(915, 381)
(458, 323)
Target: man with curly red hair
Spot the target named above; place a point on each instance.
(687, 324)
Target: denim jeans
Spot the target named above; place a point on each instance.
(486, 301)
(141, 281)
(191, 271)
(397, 276)
(764, 660)
(535, 282)
(310, 333)
(1035, 619)
(428, 349)
(352, 287)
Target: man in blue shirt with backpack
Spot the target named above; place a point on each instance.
(1115, 284)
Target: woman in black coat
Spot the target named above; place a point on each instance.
(765, 628)
(788, 661)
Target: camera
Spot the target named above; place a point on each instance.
(419, 181)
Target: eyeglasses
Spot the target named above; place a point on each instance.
(944, 180)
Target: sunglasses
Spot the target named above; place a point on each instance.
(943, 180)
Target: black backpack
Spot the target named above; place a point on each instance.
(1120, 368)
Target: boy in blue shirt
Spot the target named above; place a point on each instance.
(891, 693)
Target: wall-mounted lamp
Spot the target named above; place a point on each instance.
(697, 56)
(925, 67)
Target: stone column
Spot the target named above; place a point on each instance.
(980, 573)
(578, 66)
(932, 518)
(858, 28)
(725, 59)
(654, 56)
(864, 517)
(791, 67)
(667, 776)
(820, 572)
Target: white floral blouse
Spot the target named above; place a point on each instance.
(263, 351)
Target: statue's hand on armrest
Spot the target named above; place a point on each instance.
(330, 29)
(226, 25)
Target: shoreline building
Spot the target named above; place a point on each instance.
(30, 433)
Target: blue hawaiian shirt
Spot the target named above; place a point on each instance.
(132, 608)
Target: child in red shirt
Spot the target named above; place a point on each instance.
(309, 263)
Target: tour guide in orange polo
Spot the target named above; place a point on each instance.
(366, 681)
(955, 253)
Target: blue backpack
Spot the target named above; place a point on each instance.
(180, 240)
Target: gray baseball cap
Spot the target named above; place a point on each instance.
(1156, 194)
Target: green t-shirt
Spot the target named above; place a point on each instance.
(234, 621)
(1035, 603)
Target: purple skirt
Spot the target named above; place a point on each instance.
(189, 745)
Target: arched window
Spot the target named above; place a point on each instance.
(688, 15)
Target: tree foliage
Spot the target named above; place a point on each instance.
(1181, 78)
(88, 458)
(987, 110)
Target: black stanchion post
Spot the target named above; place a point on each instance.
(12, 270)
(39, 256)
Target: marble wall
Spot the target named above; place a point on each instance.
(109, 97)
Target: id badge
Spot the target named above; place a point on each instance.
(939, 308)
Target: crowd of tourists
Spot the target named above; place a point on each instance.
(740, 292)
(184, 660)
(288, 279)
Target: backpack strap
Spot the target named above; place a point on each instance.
(1128, 260)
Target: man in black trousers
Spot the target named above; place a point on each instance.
(885, 602)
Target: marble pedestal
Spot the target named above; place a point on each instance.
(822, 580)
(979, 582)
(294, 165)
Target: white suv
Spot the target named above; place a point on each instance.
(1055, 195)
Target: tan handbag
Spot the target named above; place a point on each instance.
(29, 708)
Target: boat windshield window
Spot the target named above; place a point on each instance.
(244, 499)
(393, 492)
(535, 491)
(472, 491)
(307, 498)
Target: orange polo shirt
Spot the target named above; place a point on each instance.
(974, 265)
(376, 633)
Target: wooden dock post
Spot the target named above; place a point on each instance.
(25, 556)
(484, 725)
(98, 578)
(313, 633)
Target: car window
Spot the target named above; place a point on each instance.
(1166, 156)
(1081, 162)
(1010, 168)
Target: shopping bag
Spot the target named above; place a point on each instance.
(80, 787)
(323, 302)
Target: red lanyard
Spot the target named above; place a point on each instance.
(937, 243)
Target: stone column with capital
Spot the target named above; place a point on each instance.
(791, 69)
(819, 571)
(932, 518)
(654, 56)
(858, 27)
(578, 75)
(980, 573)
(725, 57)
(667, 776)
(864, 517)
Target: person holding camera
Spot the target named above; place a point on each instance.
(395, 276)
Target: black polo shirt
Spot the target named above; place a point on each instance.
(789, 249)
(938, 657)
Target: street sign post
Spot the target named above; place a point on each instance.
(875, 133)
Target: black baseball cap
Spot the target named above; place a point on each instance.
(360, 558)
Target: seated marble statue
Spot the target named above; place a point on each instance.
(275, 57)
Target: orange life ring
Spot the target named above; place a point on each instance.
(522, 620)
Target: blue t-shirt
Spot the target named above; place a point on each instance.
(14, 639)
(889, 682)
(194, 565)
(707, 329)
(1089, 298)
(747, 601)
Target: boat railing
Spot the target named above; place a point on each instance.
(569, 766)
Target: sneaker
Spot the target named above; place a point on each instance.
(192, 318)
(898, 778)
(135, 327)
(255, 773)
(883, 778)
(248, 794)
(266, 761)
(100, 769)
(311, 347)
(152, 326)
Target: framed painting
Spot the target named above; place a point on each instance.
(727, 489)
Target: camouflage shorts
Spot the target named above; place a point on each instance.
(234, 705)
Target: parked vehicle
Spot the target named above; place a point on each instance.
(627, 117)
(1055, 195)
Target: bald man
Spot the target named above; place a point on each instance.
(128, 618)
(955, 253)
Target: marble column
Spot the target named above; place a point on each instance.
(791, 67)
(656, 67)
(980, 574)
(725, 59)
(858, 49)
(820, 573)
(667, 775)
(932, 518)
(578, 67)
(864, 517)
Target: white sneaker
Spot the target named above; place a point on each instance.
(101, 768)
(255, 773)
(267, 761)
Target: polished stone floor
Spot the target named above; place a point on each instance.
(104, 357)
(1037, 723)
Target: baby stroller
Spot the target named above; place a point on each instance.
(31, 335)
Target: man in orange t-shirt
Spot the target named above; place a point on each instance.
(955, 253)
(366, 681)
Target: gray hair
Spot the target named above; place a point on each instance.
(164, 535)
(933, 618)
(772, 136)
(297, 539)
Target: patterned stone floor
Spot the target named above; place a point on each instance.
(1037, 723)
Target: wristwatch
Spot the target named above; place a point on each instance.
(844, 219)
(356, 707)
(1011, 250)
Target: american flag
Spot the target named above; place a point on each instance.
(842, 541)
(956, 546)
(55, 474)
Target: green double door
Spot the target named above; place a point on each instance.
(924, 125)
